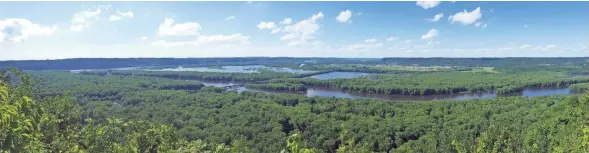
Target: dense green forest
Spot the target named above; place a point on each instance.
(580, 87)
(142, 114)
(157, 111)
(505, 81)
(443, 82)
(487, 62)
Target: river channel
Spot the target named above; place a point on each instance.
(325, 92)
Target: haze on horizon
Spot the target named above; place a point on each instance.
(292, 29)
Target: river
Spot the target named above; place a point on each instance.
(236, 69)
(325, 92)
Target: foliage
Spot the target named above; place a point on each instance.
(486, 62)
(147, 114)
(212, 76)
(442, 82)
(581, 87)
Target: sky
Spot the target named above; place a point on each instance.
(57, 30)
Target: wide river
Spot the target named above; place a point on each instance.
(324, 92)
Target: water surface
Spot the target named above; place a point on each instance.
(325, 92)
(236, 69)
(338, 75)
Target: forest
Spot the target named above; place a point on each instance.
(442, 82)
(135, 111)
(580, 87)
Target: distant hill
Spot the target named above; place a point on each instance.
(107, 63)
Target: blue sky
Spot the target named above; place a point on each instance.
(53, 30)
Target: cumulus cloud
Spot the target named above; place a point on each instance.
(84, 19)
(436, 18)
(169, 28)
(344, 16)
(466, 17)
(428, 4)
(302, 31)
(18, 30)
(430, 34)
(121, 15)
(230, 18)
(267, 25)
(286, 21)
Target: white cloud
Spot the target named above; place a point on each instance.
(302, 31)
(18, 30)
(344, 16)
(121, 15)
(169, 28)
(430, 34)
(230, 18)
(466, 17)
(144, 38)
(115, 18)
(84, 19)
(408, 41)
(267, 25)
(525, 46)
(371, 40)
(392, 38)
(276, 30)
(289, 36)
(436, 18)
(428, 4)
(286, 21)
(478, 24)
(316, 16)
